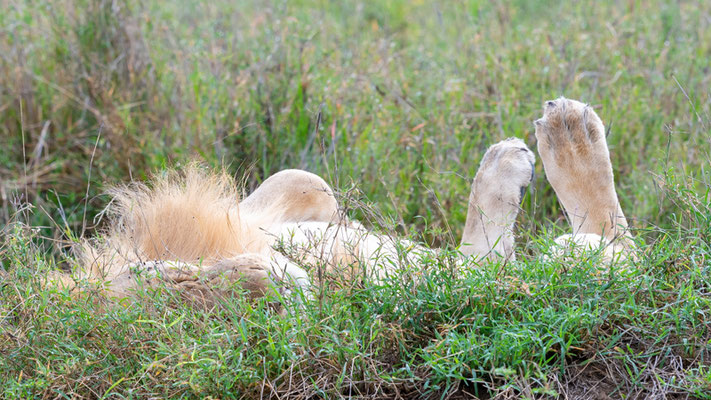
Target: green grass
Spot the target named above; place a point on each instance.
(394, 104)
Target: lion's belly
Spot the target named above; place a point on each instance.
(339, 248)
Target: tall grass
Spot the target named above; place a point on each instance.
(403, 95)
(394, 104)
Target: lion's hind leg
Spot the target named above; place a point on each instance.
(573, 148)
(505, 172)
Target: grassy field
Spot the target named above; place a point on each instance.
(393, 103)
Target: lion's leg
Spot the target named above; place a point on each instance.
(498, 188)
(129, 277)
(246, 271)
(293, 196)
(573, 147)
(254, 273)
(251, 272)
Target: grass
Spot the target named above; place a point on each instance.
(394, 104)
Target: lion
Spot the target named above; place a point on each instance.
(190, 231)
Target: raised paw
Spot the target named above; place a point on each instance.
(508, 168)
(505, 172)
(573, 148)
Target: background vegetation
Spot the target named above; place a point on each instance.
(394, 103)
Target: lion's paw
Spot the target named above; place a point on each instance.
(247, 271)
(505, 172)
(573, 147)
(506, 166)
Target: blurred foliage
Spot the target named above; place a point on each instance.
(399, 98)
